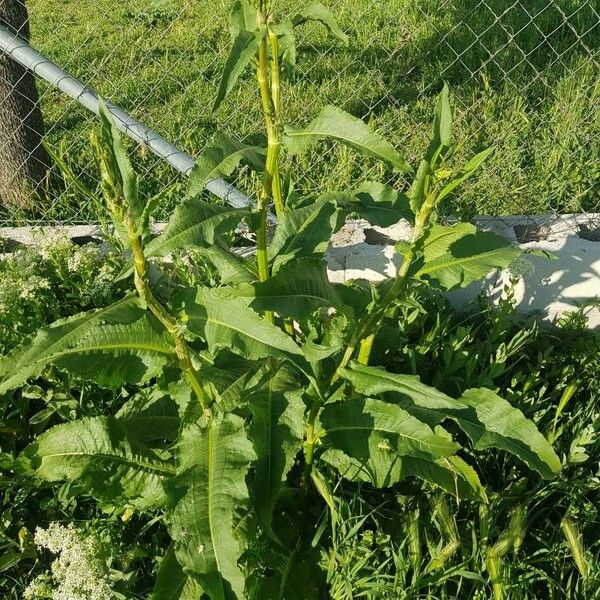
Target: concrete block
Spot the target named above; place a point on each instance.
(362, 251)
(548, 287)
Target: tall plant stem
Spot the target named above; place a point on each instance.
(142, 286)
(265, 192)
(309, 445)
(274, 143)
(269, 84)
(368, 327)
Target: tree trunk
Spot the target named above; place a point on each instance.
(23, 159)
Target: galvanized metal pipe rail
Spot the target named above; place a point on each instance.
(43, 67)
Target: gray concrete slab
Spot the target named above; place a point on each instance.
(361, 251)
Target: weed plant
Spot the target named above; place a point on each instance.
(259, 432)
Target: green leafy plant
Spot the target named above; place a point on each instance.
(264, 382)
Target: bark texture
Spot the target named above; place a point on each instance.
(23, 159)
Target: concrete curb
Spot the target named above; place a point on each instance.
(362, 251)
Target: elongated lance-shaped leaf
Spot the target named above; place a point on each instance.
(243, 18)
(442, 121)
(508, 429)
(227, 322)
(380, 204)
(371, 440)
(220, 159)
(172, 583)
(196, 223)
(441, 141)
(306, 231)
(488, 419)
(151, 415)
(334, 123)
(456, 256)
(206, 503)
(357, 425)
(118, 344)
(465, 173)
(102, 457)
(276, 432)
(416, 193)
(451, 473)
(315, 11)
(299, 288)
(244, 49)
(230, 268)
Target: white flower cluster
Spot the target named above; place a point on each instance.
(106, 273)
(76, 573)
(85, 257)
(50, 241)
(30, 287)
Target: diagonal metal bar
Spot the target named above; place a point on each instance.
(19, 50)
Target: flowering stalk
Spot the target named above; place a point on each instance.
(122, 215)
(143, 289)
(269, 84)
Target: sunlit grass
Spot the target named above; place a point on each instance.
(535, 96)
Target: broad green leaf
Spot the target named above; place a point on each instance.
(104, 458)
(172, 583)
(10, 559)
(375, 381)
(507, 428)
(469, 255)
(236, 394)
(196, 223)
(206, 502)
(276, 432)
(120, 166)
(150, 415)
(113, 355)
(380, 204)
(488, 419)
(382, 469)
(315, 11)
(441, 237)
(334, 123)
(450, 473)
(118, 344)
(231, 269)
(377, 434)
(467, 171)
(243, 51)
(306, 231)
(243, 18)
(299, 288)
(220, 159)
(227, 322)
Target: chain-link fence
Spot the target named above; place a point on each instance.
(524, 74)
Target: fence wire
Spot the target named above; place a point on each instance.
(524, 76)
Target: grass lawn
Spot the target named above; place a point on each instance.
(525, 77)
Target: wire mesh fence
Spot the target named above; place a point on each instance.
(524, 74)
